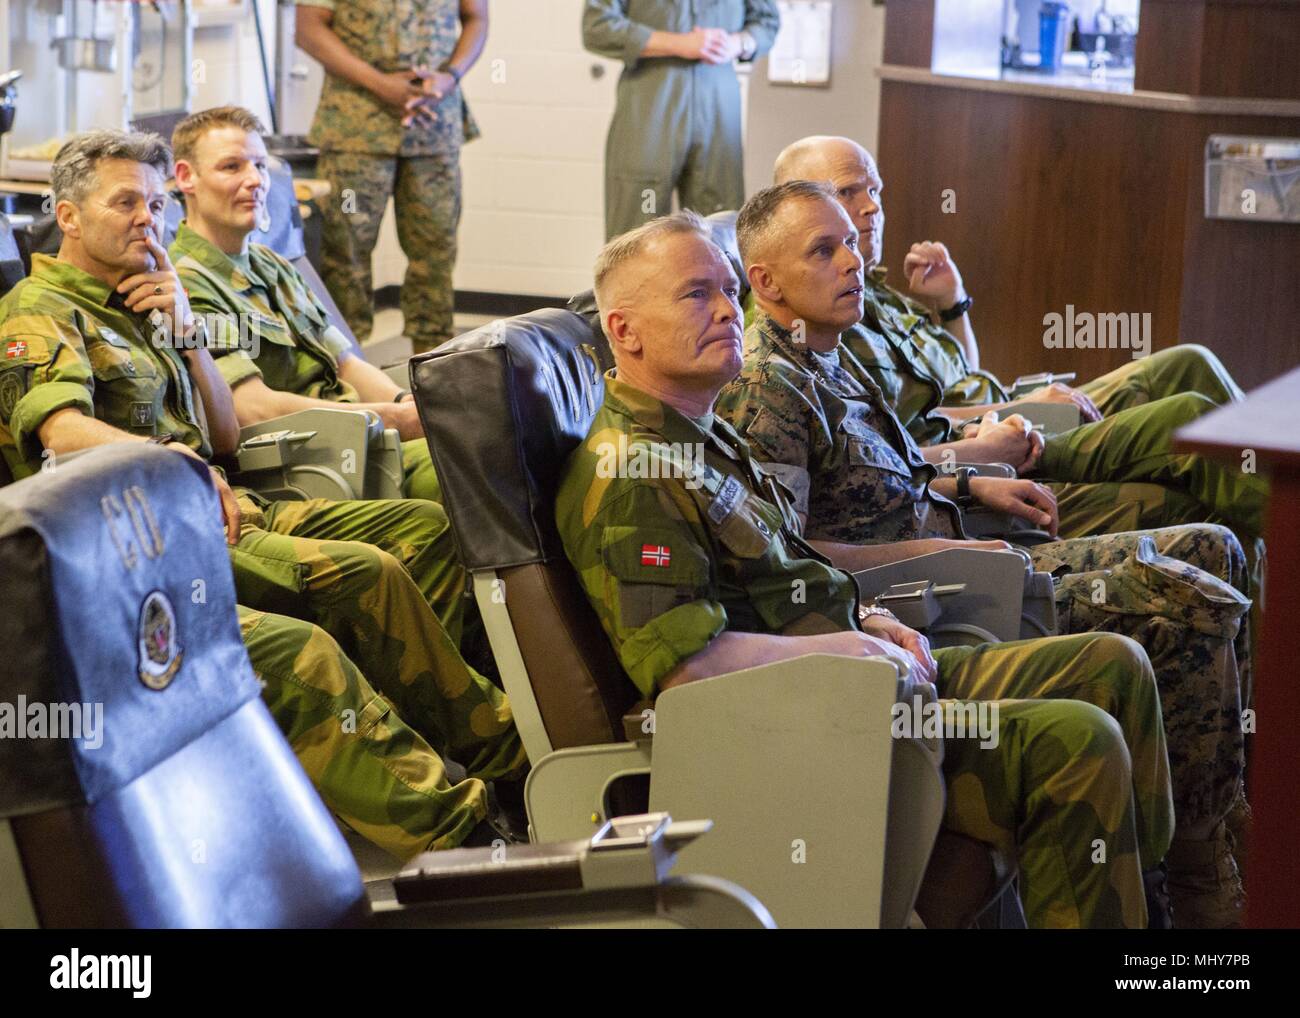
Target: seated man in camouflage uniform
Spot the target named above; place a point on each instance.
(299, 359)
(101, 346)
(1117, 474)
(810, 410)
(732, 585)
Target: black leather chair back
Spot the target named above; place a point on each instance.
(12, 269)
(184, 806)
(503, 407)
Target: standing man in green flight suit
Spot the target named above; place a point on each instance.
(677, 121)
(696, 573)
(391, 121)
(300, 360)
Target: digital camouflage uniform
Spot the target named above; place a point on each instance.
(1175, 590)
(1114, 475)
(729, 556)
(297, 349)
(367, 156)
(677, 122)
(352, 568)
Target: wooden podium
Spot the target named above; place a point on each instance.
(1267, 423)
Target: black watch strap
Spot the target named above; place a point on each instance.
(964, 474)
(956, 311)
(401, 395)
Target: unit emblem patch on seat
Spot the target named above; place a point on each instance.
(160, 651)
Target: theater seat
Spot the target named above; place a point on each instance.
(177, 802)
(191, 810)
(502, 408)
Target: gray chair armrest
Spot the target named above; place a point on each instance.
(320, 453)
(1050, 418)
(989, 601)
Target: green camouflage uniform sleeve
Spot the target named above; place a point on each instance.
(646, 573)
(225, 341)
(762, 21)
(44, 368)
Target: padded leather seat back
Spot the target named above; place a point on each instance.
(502, 408)
(286, 237)
(12, 269)
(172, 800)
(723, 227)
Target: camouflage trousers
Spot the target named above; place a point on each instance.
(1136, 445)
(1175, 591)
(1180, 369)
(419, 479)
(1077, 787)
(376, 774)
(352, 568)
(426, 193)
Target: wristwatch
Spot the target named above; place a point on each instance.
(865, 611)
(401, 395)
(964, 498)
(957, 310)
(171, 436)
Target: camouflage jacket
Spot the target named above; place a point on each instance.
(263, 320)
(390, 35)
(677, 534)
(821, 421)
(917, 364)
(66, 340)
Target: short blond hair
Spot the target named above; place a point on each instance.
(186, 134)
(627, 246)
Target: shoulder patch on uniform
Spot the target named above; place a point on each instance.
(13, 386)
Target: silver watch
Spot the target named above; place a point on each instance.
(865, 611)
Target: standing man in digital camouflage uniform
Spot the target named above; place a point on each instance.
(85, 365)
(391, 122)
(677, 121)
(717, 597)
(811, 411)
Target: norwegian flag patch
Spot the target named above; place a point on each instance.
(15, 348)
(656, 555)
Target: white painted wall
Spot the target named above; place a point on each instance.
(780, 114)
(533, 219)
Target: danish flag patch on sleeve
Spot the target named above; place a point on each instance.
(656, 555)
